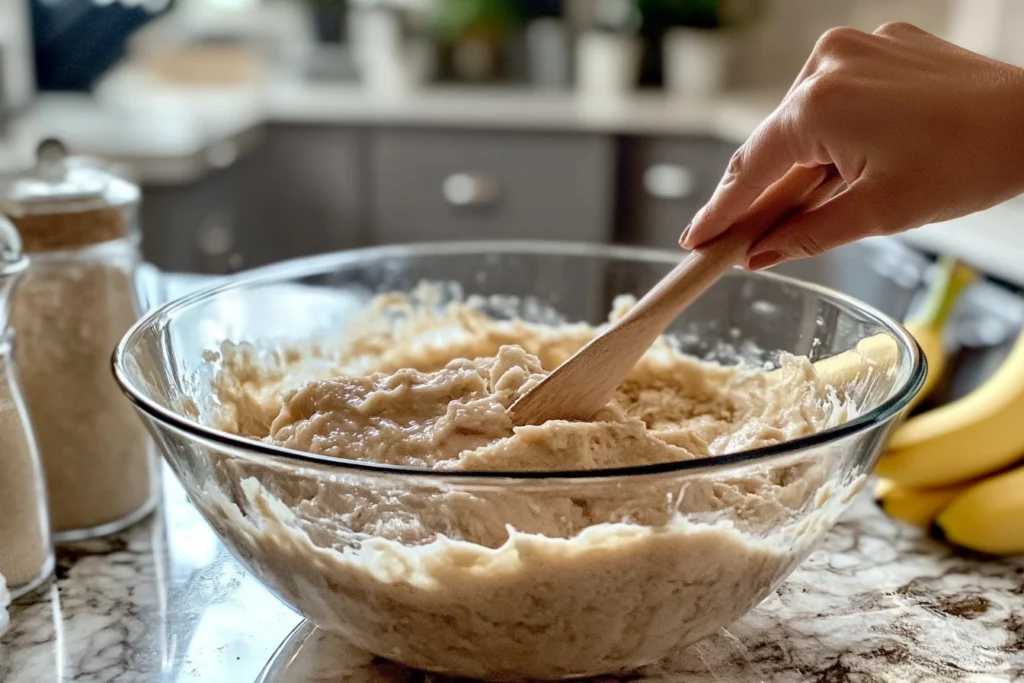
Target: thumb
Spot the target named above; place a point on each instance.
(846, 217)
(762, 160)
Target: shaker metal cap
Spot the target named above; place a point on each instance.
(12, 262)
(12, 258)
(61, 183)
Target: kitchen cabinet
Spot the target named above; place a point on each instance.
(311, 188)
(446, 184)
(664, 182)
(194, 226)
(311, 184)
(297, 193)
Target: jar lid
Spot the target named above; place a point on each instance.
(68, 202)
(61, 183)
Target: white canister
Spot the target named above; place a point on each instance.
(696, 61)
(17, 81)
(607, 64)
(389, 62)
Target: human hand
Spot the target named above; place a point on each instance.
(919, 129)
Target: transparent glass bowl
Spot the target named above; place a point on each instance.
(675, 555)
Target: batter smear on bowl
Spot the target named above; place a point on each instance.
(544, 579)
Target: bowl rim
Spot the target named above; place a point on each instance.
(311, 265)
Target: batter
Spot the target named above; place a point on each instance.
(503, 580)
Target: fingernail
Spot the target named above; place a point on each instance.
(686, 241)
(684, 235)
(765, 259)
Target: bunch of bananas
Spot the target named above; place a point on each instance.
(956, 470)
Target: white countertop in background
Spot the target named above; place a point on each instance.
(144, 123)
(991, 240)
(171, 135)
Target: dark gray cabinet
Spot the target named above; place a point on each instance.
(311, 185)
(442, 184)
(665, 181)
(297, 192)
(196, 226)
(308, 189)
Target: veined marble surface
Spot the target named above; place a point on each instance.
(165, 603)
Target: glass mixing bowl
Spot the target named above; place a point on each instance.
(392, 559)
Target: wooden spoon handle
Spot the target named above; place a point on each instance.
(582, 385)
(800, 188)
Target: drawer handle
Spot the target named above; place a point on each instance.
(470, 189)
(669, 181)
(216, 244)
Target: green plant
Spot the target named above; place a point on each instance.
(659, 15)
(489, 20)
(616, 16)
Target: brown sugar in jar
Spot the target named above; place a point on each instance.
(74, 303)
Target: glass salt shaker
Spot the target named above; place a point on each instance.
(26, 552)
(78, 225)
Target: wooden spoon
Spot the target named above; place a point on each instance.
(584, 384)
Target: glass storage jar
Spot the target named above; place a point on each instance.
(26, 553)
(78, 226)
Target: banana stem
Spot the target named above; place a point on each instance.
(952, 279)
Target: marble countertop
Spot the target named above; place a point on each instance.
(164, 602)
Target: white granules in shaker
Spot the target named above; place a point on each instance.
(26, 556)
(5, 600)
(76, 300)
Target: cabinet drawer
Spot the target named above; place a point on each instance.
(309, 190)
(441, 185)
(296, 194)
(666, 181)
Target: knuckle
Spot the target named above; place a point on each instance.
(820, 91)
(736, 164)
(836, 41)
(808, 245)
(895, 29)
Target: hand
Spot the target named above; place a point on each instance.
(920, 130)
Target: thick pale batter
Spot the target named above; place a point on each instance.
(511, 580)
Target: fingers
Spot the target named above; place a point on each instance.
(793, 134)
(844, 218)
(763, 159)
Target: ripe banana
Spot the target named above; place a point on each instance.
(917, 507)
(988, 516)
(927, 326)
(878, 352)
(976, 435)
(875, 353)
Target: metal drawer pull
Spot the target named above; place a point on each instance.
(470, 189)
(669, 181)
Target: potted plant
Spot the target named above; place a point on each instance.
(474, 35)
(608, 53)
(329, 19)
(698, 40)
